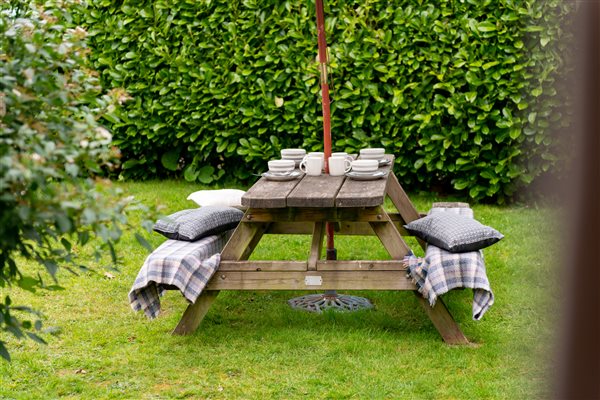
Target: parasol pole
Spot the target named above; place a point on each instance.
(330, 299)
(324, 84)
(322, 41)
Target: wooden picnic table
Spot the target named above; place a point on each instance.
(303, 206)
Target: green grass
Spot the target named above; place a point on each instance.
(252, 345)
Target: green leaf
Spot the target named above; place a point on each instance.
(4, 352)
(190, 174)
(66, 244)
(474, 191)
(461, 184)
(35, 338)
(490, 64)
(170, 160)
(514, 133)
(470, 96)
(130, 163)
(205, 174)
(142, 240)
(28, 283)
(486, 26)
(531, 117)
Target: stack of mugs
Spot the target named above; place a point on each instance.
(296, 155)
(365, 167)
(281, 167)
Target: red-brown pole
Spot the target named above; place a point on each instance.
(326, 110)
(324, 84)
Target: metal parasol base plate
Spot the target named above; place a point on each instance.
(338, 302)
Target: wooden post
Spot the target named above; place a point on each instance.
(195, 313)
(316, 245)
(442, 321)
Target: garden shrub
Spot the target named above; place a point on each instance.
(52, 149)
(463, 92)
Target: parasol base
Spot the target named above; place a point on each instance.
(339, 302)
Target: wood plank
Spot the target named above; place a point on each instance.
(302, 266)
(290, 228)
(331, 280)
(262, 266)
(315, 191)
(343, 228)
(269, 194)
(360, 265)
(443, 321)
(364, 193)
(316, 245)
(312, 214)
(195, 312)
(364, 229)
(390, 238)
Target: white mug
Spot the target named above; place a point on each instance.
(316, 154)
(339, 165)
(342, 154)
(312, 165)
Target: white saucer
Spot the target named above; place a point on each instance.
(383, 162)
(281, 177)
(366, 176)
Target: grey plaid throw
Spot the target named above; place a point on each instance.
(441, 271)
(185, 265)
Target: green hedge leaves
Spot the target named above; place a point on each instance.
(463, 92)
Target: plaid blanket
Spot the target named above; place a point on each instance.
(441, 271)
(188, 266)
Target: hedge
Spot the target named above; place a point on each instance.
(463, 92)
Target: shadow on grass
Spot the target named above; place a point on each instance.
(259, 316)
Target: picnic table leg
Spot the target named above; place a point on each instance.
(239, 247)
(443, 321)
(389, 236)
(439, 314)
(195, 313)
(402, 202)
(316, 245)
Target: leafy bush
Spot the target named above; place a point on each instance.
(463, 92)
(51, 147)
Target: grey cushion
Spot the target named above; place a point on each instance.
(453, 232)
(194, 224)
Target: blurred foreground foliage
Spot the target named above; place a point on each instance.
(52, 150)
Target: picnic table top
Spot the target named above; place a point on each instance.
(318, 191)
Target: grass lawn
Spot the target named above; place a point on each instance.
(252, 345)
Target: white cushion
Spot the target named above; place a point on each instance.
(219, 197)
